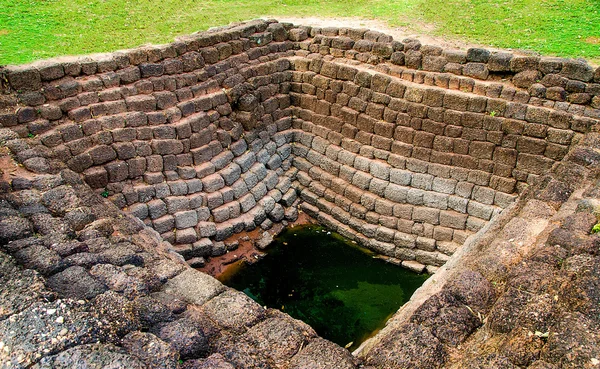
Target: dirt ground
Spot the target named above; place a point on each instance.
(399, 33)
(246, 250)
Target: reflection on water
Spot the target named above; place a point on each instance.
(344, 293)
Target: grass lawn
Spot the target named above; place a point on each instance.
(37, 29)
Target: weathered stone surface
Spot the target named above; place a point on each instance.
(194, 287)
(91, 356)
(472, 289)
(409, 346)
(75, 282)
(279, 337)
(234, 311)
(214, 361)
(150, 349)
(47, 327)
(14, 228)
(185, 336)
(321, 354)
(448, 320)
(19, 288)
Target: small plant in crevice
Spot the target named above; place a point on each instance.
(104, 194)
(596, 228)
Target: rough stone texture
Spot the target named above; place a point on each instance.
(234, 311)
(194, 287)
(321, 354)
(185, 336)
(150, 349)
(410, 346)
(91, 356)
(63, 324)
(76, 283)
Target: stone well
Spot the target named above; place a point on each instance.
(410, 150)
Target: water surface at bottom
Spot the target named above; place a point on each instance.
(321, 278)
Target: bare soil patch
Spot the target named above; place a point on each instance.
(425, 33)
(247, 252)
(9, 168)
(593, 40)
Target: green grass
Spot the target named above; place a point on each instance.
(37, 29)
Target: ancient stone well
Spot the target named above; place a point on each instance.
(406, 148)
(482, 164)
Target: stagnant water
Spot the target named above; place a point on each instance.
(339, 289)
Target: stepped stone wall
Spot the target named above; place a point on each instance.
(482, 164)
(406, 148)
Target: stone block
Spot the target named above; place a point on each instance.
(163, 224)
(206, 229)
(259, 191)
(435, 200)
(213, 182)
(139, 211)
(415, 196)
(231, 173)
(178, 188)
(247, 202)
(194, 287)
(483, 195)
(425, 244)
(453, 219)
(96, 177)
(102, 154)
(277, 213)
(167, 147)
(442, 234)
(405, 240)
(24, 78)
(478, 55)
(444, 185)
(503, 200)
(480, 210)
(156, 209)
(426, 215)
(186, 219)
(225, 230)
(185, 236)
(577, 70)
(378, 186)
(499, 62)
(151, 69)
(476, 70)
(458, 203)
(422, 181)
(474, 224)
(214, 199)
(202, 247)
(141, 103)
(396, 193)
(153, 178)
(456, 101)
(464, 189)
(176, 204)
(194, 185)
(221, 214)
(380, 170)
(361, 180)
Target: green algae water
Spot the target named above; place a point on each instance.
(319, 277)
